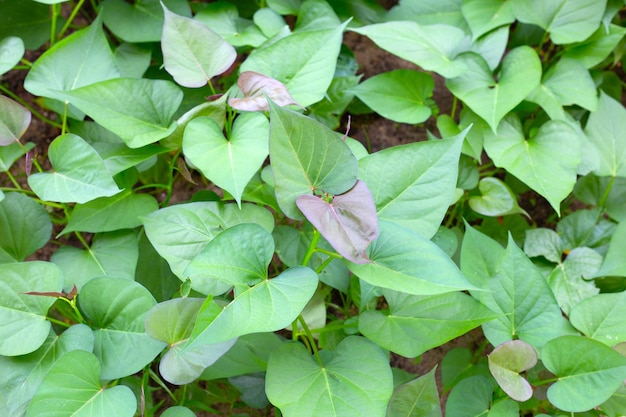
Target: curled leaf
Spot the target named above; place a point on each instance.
(255, 87)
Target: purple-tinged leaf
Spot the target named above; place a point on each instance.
(349, 223)
(507, 361)
(255, 87)
(14, 120)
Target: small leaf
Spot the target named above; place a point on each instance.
(416, 398)
(597, 47)
(497, 199)
(543, 242)
(348, 222)
(255, 87)
(11, 51)
(14, 120)
(507, 361)
(601, 317)
(485, 15)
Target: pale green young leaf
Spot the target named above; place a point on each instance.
(416, 398)
(491, 46)
(496, 199)
(605, 129)
(601, 318)
(11, 51)
(215, 109)
(597, 47)
(505, 364)
(14, 120)
(285, 6)
(446, 12)
(24, 327)
(79, 175)
(315, 15)
(485, 15)
(178, 411)
(224, 19)
(480, 256)
(352, 381)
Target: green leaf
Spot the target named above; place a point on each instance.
(228, 162)
(25, 225)
(139, 111)
(193, 53)
(353, 380)
(416, 398)
(11, 51)
(106, 214)
(14, 120)
(616, 405)
(485, 15)
(597, 47)
(413, 184)
(78, 60)
(73, 386)
(458, 364)
(614, 263)
(311, 65)
(604, 129)
(29, 21)
(446, 12)
(471, 397)
(492, 99)
(10, 153)
(112, 254)
(587, 366)
(178, 411)
(543, 242)
(79, 175)
(532, 160)
(585, 228)
(480, 256)
(139, 21)
(224, 19)
(407, 262)
(567, 21)
(601, 318)
(238, 256)
(215, 109)
(432, 47)
(24, 327)
(400, 95)
(497, 199)
(507, 361)
(416, 324)
(307, 156)
(116, 309)
(132, 60)
(154, 273)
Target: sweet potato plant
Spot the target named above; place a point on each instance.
(301, 262)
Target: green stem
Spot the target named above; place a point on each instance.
(158, 380)
(332, 254)
(170, 185)
(54, 10)
(334, 328)
(211, 87)
(64, 124)
(146, 186)
(605, 196)
(309, 335)
(14, 181)
(71, 18)
(29, 107)
(454, 104)
(311, 249)
(324, 264)
(59, 322)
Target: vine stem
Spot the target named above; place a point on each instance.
(312, 343)
(605, 196)
(71, 18)
(312, 246)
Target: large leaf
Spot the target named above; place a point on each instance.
(29, 21)
(14, 120)
(601, 318)
(193, 53)
(229, 162)
(80, 59)
(582, 366)
(73, 386)
(307, 156)
(533, 160)
(139, 111)
(493, 98)
(311, 65)
(567, 21)
(25, 226)
(348, 222)
(416, 398)
(414, 184)
(116, 309)
(352, 381)
(507, 361)
(79, 175)
(24, 326)
(605, 129)
(404, 261)
(432, 47)
(416, 324)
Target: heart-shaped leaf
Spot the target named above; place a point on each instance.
(79, 176)
(604, 129)
(73, 386)
(484, 15)
(224, 19)
(229, 162)
(582, 365)
(348, 222)
(597, 47)
(507, 361)
(11, 51)
(416, 398)
(493, 99)
(14, 120)
(532, 160)
(471, 397)
(193, 53)
(24, 327)
(601, 317)
(255, 87)
(353, 380)
(497, 199)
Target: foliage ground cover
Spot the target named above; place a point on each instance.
(304, 261)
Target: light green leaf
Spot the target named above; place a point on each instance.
(507, 361)
(78, 60)
(605, 129)
(543, 242)
(215, 109)
(407, 262)
(25, 225)
(178, 411)
(11, 51)
(601, 318)
(400, 95)
(112, 254)
(485, 15)
(597, 47)
(480, 256)
(307, 156)
(73, 386)
(353, 380)
(24, 326)
(416, 398)
(311, 66)
(224, 19)
(585, 228)
(122, 211)
(567, 21)
(10, 153)
(116, 309)
(14, 120)
(416, 324)
(492, 99)
(446, 12)
(193, 53)
(497, 199)
(79, 175)
(616, 405)
(532, 160)
(413, 184)
(471, 397)
(228, 162)
(139, 111)
(132, 60)
(582, 365)
(433, 47)
(614, 263)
